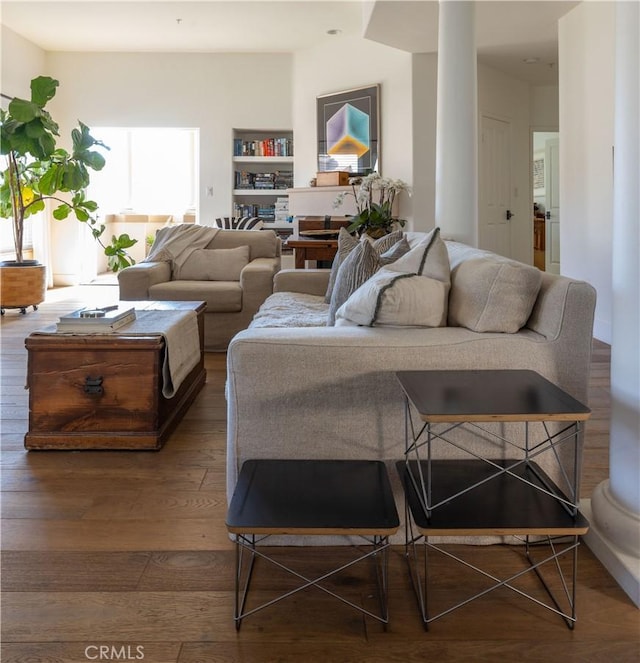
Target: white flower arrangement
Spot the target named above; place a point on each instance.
(374, 199)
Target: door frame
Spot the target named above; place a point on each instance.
(543, 128)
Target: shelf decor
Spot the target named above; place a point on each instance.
(348, 130)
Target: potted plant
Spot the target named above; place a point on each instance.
(374, 198)
(37, 170)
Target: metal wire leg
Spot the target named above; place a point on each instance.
(241, 594)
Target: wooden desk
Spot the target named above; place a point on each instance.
(311, 248)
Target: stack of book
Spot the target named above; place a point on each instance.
(264, 181)
(91, 320)
(283, 179)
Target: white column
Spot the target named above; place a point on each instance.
(615, 504)
(457, 123)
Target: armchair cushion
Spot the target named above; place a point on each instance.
(215, 264)
(220, 296)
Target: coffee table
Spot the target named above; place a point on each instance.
(105, 391)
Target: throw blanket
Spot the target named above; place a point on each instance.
(287, 309)
(175, 244)
(182, 342)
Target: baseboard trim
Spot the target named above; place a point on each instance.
(624, 568)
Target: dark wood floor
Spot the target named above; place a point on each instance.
(128, 551)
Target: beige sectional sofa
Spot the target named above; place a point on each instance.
(231, 270)
(330, 392)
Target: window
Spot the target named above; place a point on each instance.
(147, 171)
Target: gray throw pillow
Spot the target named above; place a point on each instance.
(346, 244)
(360, 265)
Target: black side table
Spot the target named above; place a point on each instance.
(311, 497)
(478, 496)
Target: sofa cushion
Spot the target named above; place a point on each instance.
(397, 299)
(220, 296)
(215, 264)
(492, 295)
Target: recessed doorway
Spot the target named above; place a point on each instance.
(546, 250)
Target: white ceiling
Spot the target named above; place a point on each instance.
(507, 31)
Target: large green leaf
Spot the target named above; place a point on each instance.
(43, 89)
(48, 184)
(94, 160)
(23, 110)
(61, 212)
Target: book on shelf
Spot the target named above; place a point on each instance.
(105, 320)
(277, 146)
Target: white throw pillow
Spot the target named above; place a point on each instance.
(215, 264)
(397, 299)
(428, 258)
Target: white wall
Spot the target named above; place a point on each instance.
(506, 98)
(544, 107)
(351, 63)
(586, 56)
(212, 92)
(20, 61)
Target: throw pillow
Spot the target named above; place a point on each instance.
(398, 299)
(215, 264)
(493, 296)
(346, 244)
(357, 267)
(429, 258)
(395, 252)
(242, 223)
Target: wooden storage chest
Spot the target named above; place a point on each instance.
(105, 392)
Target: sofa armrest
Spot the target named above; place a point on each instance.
(256, 281)
(308, 281)
(136, 280)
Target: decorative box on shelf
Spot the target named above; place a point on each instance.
(332, 178)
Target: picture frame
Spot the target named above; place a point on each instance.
(348, 126)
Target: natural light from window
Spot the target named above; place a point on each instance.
(147, 171)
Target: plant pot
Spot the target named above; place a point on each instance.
(22, 284)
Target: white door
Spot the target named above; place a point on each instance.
(494, 233)
(552, 205)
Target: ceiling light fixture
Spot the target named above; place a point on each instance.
(334, 31)
(531, 60)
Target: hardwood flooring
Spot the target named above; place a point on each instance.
(127, 551)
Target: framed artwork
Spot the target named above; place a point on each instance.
(348, 130)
